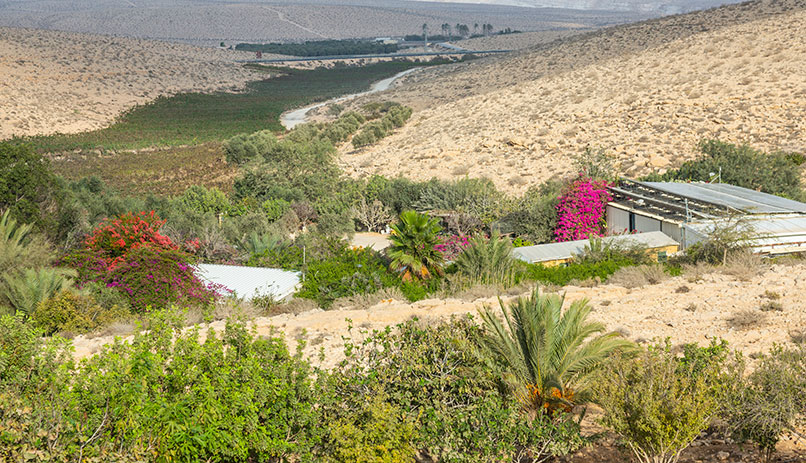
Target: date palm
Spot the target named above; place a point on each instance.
(413, 249)
(549, 354)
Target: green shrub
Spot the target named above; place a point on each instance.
(25, 290)
(477, 197)
(534, 215)
(26, 184)
(165, 396)
(657, 403)
(275, 208)
(562, 275)
(774, 173)
(201, 199)
(771, 401)
(69, 311)
(377, 432)
(437, 376)
(598, 250)
(487, 261)
(243, 148)
(348, 272)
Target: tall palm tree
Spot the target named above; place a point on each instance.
(549, 354)
(413, 251)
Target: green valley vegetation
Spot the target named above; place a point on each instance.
(322, 48)
(196, 118)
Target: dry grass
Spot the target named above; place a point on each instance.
(744, 265)
(771, 306)
(747, 319)
(639, 276)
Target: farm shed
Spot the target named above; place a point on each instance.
(247, 282)
(553, 254)
(687, 212)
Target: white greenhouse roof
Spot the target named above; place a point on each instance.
(246, 282)
(774, 234)
(568, 249)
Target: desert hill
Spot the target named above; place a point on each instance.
(209, 22)
(645, 92)
(67, 82)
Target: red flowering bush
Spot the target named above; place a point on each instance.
(114, 238)
(581, 210)
(129, 253)
(157, 278)
(452, 246)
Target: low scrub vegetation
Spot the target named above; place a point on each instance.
(321, 47)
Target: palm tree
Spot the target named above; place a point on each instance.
(549, 354)
(413, 250)
(488, 262)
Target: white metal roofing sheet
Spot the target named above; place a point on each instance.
(247, 282)
(743, 199)
(567, 249)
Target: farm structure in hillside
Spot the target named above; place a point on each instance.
(690, 212)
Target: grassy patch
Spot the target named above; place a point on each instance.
(195, 118)
(163, 172)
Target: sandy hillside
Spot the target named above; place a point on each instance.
(685, 310)
(519, 41)
(645, 92)
(67, 82)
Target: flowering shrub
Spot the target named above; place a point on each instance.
(581, 210)
(154, 277)
(113, 239)
(452, 246)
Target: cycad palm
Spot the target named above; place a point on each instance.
(413, 246)
(549, 354)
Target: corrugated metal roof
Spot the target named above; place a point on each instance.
(247, 282)
(774, 233)
(567, 249)
(723, 194)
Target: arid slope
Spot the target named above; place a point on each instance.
(645, 92)
(68, 82)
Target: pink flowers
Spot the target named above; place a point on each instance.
(581, 211)
(452, 246)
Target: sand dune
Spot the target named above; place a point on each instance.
(67, 82)
(646, 93)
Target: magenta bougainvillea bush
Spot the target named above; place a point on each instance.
(128, 253)
(453, 245)
(581, 210)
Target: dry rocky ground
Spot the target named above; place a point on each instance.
(694, 308)
(646, 93)
(67, 82)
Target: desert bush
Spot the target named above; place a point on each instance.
(28, 188)
(488, 261)
(596, 164)
(274, 208)
(70, 311)
(746, 319)
(562, 275)
(774, 173)
(373, 216)
(598, 250)
(770, 402)
(348, 272)
(639, 276)
(743, 265)
(243, 148)
(436, 375)
(581, 210)
(534, 215)
(549, 355)
(477, 197)
(658, 404)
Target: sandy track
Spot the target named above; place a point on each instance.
(652, 312)
(646, 93)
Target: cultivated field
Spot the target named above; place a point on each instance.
(646, 93)
(67, 82)
(210, 22)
